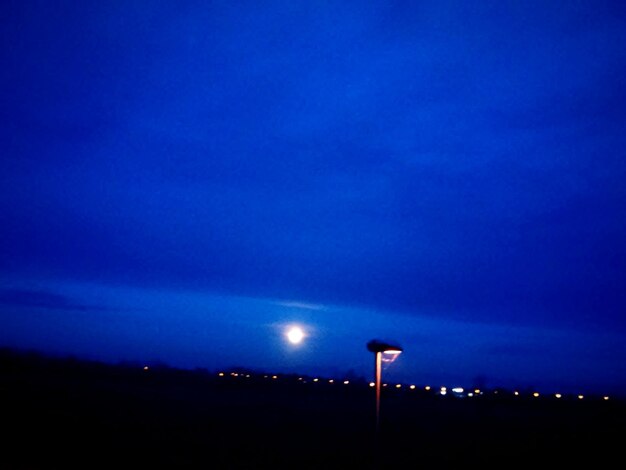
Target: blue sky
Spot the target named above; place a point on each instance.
(181, 180)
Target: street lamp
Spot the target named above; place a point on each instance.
(379, 348)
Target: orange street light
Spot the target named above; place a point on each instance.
(379, 348)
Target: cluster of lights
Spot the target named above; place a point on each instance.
(456, 391)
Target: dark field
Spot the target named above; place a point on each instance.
(62, 413)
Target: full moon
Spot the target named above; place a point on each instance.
(295, 335)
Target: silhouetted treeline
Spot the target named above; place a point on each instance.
(70, 413)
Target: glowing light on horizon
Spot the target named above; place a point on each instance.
(145, 367)
(443, 390)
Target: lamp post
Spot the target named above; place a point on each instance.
(379, 348)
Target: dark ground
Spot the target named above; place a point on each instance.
(65, 413)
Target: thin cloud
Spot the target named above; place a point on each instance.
(43, 299)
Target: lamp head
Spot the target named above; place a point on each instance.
(376, 346)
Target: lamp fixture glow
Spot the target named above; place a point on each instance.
(392, 351)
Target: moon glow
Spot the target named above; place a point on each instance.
(295, 335)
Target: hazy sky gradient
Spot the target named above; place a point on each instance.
(181, 175)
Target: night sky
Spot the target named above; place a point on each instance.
(181, 181)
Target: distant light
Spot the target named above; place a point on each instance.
(265, 376)
(516, 393)
(346, 382)
(372, 384)
(458, 390)
(580, 397)
(221, 374)
(477, 391)
(295, 335)
(384, 385)
(274, 376)
(145, 367)
(605, 398)
(470, 394)
(412, 387)
(398, 386)
(427, 387)
(536, 394)
(315, 380)
(558, 395)
(443, 392)
(247, 375)
(444, 389)
(299, 378)
(330, 381)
